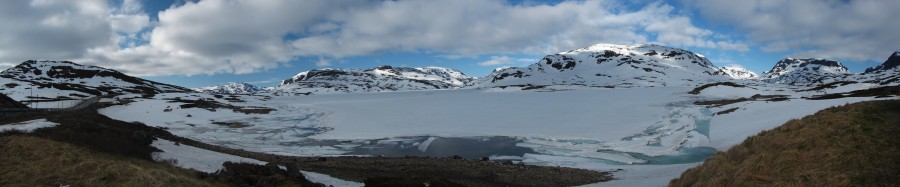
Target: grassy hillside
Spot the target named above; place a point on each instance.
(32, 161)
(852, 145)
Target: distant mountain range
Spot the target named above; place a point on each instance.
(805, 71)
(817, 71)
(378, 79)
(600, 65)
(738, 72)
(231, 88)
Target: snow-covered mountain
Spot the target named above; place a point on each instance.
(890, 64)
(379, 79)
(611, 65)
(738, 72)
(888, 73)
(805, 72)
(230, 88)
(44, 80)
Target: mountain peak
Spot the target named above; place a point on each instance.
(230, 88)
(378, 79)
(738, 72)
(891, 63)
(68, 79)
(609, 65)
(804, 71)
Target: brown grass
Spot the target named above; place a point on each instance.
(32, 161)
(851, 145)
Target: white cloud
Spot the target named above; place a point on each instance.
(129, 23)
(322, 62)
(850, 30)
(216, 36)
(506, 60)
(244, 36)
(680, 31)
(496, 60)
(52, 29)
(130, 7)
(471, 27)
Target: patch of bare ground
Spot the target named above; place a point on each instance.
(212, 105)
(726, 111)
(231, 124)
(851, 145)
(879, 92)
(460, 171)
(757, 97)
(697, 90)
(829, 85)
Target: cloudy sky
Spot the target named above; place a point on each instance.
(208, 42)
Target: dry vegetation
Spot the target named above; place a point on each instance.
(852, 145)
(32, 161)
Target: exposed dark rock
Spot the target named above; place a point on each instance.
(892, 62)
(6, 102)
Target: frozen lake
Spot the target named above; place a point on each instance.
(642, 130)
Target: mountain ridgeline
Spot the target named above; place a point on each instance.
(609, 65)
(890, 64)
(805, 71)
(379, 79)
(37, 80)
(599, 65)
(737, 72)
(230, 88)
(816, 71)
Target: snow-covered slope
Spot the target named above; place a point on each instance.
(890, 64)
(379, 79)
(806, 72)
(888, 73)
(611, 65)
(738, 72)
(230, 88)
(44, 80)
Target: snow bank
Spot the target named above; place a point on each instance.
(186, 156)
(328, 180)
(756, 116)
(190, 157)
(28, 126)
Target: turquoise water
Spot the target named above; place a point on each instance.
(685, 155)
